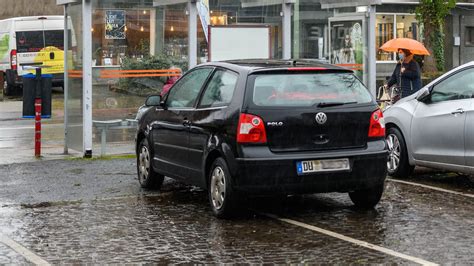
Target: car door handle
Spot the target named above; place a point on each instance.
(458, 112)
(186, 123)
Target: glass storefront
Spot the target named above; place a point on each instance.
(140, 46)
(231, 13)
(74, 78)
(137, 48)
(338, 36)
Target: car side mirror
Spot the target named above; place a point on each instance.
(154, 100)
(423, 94)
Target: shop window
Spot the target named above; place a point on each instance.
(407, 27)
(137, 33)
(383, 33)
(469, 36)
(390, 26)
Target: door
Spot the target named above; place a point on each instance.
(438, 126)
(209, 117)
(348, 43)
(171, 125)
(29, 42)
(40, 42)
(469, 128)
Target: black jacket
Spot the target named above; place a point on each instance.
(409, 81)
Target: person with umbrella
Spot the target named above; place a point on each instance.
(407, 74)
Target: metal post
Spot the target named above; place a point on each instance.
(192, 32)
(38, 105)
(372, 56)
(286, 29)
(87, 77)
(296, 30)
(66, 79)
(103, 140)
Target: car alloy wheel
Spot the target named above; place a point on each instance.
(144, 165)
(218, 184)
(394, 151)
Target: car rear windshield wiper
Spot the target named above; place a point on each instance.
(329, 104)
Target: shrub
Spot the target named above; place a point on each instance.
(144, 86)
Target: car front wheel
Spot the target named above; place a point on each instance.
(221, 196)
(147, 177)
(367, 198)
(397, 163)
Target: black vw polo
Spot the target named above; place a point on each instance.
(253, 127)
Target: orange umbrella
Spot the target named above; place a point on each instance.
(414, 46)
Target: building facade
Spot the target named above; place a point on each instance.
(22, 8)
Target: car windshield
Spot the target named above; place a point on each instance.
(302, 90)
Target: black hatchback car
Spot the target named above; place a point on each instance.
(254, 127)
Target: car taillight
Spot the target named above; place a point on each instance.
(377, 125)
(251, 129)
(13, 60)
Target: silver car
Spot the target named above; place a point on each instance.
(434, 127)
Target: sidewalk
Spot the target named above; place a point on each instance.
(17, 137)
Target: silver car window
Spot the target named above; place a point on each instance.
(456, 87)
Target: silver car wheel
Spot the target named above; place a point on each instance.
(144, 164)
(394, 150)
(218, 183)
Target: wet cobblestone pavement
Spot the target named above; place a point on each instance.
(435, 226)
(119, 223)
(176, 228)
(9, 257)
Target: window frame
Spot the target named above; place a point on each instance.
(466, 43)
(394, 32)
(204, 89)
(212, 68)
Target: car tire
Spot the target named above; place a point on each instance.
(367, 198)
(147, 177)
(221, 195)
(8, 90)
(397, 162)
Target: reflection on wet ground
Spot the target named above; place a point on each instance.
(176, 226)
(173, 228)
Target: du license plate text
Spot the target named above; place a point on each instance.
(317, 166)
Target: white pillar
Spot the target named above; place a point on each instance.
(66, 79)
(286, 7)
(192, 33)
(296, 30)
(372, 56)
(87, 77)
(153, 31)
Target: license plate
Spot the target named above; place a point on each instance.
(318, 166)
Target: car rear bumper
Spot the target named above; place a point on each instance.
(278, 174)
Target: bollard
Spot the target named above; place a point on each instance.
(38, 113)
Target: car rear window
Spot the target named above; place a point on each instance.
(29, 41)
(302, 90)
(54, 38)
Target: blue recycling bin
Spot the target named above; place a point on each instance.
(30, 92)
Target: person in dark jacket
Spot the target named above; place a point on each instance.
(407, 74)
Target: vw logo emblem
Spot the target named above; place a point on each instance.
(321, 118)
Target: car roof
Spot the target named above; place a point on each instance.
(258, 65)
